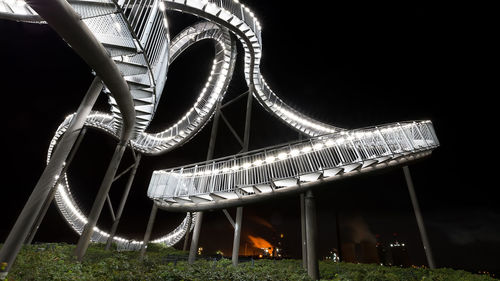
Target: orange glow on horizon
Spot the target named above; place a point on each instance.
(261, 243)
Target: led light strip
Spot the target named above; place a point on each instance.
(147, 143)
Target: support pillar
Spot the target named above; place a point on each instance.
(237, 235)
(311, 234)
(196, 236)
(248, 118)
(418, 216)
(95, 212)
(199, 215)
(50, 198)
(186, 237)
(149, 228)
(48, 179)
(303, 231)
(239, 210)
(119, 212)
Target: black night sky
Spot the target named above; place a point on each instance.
(351, 66)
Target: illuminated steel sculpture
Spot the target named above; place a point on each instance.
(135, 36)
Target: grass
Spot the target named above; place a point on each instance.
(55, 262)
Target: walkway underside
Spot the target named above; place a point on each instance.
(289, 169)
(135, 38)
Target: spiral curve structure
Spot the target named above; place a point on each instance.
(136, 37)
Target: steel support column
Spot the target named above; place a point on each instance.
(196, 236)
(119, 212)
(50, 198)
(199, 215)
(239, 210)
(48, 179)
(248, 118)
(149, 228)
(311, 234)
(418, 216)
(303, 231)
(95, 212)
(186, 237)
(237, 235)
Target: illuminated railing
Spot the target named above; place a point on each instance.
(283, 165)
(135, 34)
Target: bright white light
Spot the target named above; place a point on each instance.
(329, 142)
(270, 159)
(318, 146)
(225, 170)
(246, 165)
(294, 152)
(282, 155)
(257, 162)
(306, 149)
(235, 167)
(340, 141)
(161, 5)
(165, 22)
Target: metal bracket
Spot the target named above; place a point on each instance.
(228, 217)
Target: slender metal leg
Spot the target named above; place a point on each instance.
(237, 235)
(95, 212)
(119, 212)
(149, 228)
(199, 215)
(196, 236)
(311, 234)
(48, 178)
(303, 231)
(50, 198)
(420, 220)
(186, 237)
(248, 118)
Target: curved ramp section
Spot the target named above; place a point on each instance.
(214, 90)
(135, 36)
(242, 22)
(293, 167)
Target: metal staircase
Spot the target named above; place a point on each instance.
(136, 39)
(135, 36)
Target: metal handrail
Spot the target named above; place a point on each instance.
(292, 160)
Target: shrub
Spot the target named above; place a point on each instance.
(56, 262)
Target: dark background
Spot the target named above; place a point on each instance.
(351, 66)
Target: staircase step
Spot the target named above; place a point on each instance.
(141, 79)
(90, 9)
(263, 188)
(285, 182)
(309, 177)
(114, 51)
(332, 172)
(128, 69)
